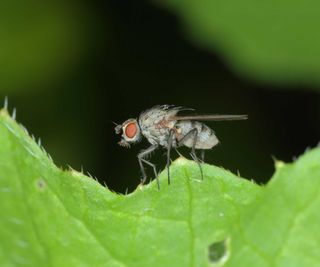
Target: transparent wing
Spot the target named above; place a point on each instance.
(209, 117)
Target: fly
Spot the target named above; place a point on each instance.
(162, 126)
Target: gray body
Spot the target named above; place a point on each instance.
(157, 122)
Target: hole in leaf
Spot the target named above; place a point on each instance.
(218, 252)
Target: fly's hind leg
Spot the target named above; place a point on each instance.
(141, 158)
(194, 155)
(194, 134)
(170, 140)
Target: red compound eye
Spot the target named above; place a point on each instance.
(131, 130)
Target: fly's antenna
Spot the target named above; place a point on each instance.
(118, 127)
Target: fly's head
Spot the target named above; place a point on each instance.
(130, 132)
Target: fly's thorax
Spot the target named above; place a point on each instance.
(155, 126)
(206, 138)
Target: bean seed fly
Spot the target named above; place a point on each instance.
(162, 126)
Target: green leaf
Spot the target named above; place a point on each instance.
(51, 217)
(275, 41)
(282, 227)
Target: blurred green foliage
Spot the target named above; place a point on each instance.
(268, 41)
(40, 42)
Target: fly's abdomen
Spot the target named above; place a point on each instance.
(206, 138)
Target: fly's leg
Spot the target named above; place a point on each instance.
(154, 170)
(194, 134)
(141, 158)
(170, 140)
(195, 158)
(183, 139)
(194, 155)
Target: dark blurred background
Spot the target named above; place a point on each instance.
(72, 67)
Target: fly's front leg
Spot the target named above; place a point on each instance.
(170, 140)
(141, 158)
(194, 134)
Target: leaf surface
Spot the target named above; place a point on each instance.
(282, 227)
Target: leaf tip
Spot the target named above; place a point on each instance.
(279, 164)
